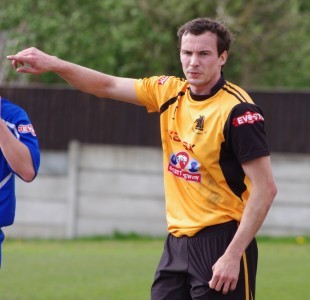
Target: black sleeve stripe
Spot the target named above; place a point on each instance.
(235, 92)
(169, 102)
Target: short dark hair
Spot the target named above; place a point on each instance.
(201, 25)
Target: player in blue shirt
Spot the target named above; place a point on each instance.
(19, 155)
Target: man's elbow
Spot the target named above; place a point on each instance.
(28, 175)
(273, 190)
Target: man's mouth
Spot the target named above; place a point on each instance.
(193, 74)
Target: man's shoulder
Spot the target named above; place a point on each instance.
(9, 104)
(163, 86)
(10, 110)
(234, 99)
(236, 92)
(171, 79)
(165, 80)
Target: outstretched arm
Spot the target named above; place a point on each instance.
(226, 269)
(102, 85)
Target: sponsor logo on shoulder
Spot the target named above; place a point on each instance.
(162, 80)
(247, 118)
(26, 129)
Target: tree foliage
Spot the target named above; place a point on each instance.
(136, 38)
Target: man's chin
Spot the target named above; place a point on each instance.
(195, 81)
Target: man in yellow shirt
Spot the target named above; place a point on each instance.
(218, 180)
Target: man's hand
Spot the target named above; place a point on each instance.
(32, 61)
(225, 274)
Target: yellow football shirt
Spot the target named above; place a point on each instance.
(205, 140)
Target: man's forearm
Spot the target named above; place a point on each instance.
(83, 79)
(253, 217)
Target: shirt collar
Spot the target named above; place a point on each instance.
(221, 82)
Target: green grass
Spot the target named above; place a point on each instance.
(284, 269)
(123, 268)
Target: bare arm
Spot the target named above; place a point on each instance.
(226, 269)
(16, 153)
(102, 85)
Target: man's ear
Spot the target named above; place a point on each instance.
(223, 58)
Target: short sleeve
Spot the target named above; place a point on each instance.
(246, 133)
(146, 92)
(20, 125)
(154, 91)
(27, 136)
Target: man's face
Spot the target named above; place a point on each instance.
(200, 61)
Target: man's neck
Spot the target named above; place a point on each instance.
(204, 92)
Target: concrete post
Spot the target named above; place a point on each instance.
(73, 165)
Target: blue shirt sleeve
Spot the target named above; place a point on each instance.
(19, 123)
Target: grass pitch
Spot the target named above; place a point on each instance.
(123, 268)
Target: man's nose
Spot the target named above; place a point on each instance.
(194, 60)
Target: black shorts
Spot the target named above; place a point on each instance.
(185, 267)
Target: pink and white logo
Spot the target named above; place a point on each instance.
(26, 129)
(182, 159)
(247, 118)
(162, 80)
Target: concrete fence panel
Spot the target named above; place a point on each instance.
(99, 189)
